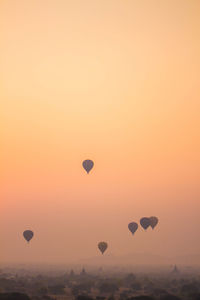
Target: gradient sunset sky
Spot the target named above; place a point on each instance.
(115, 81)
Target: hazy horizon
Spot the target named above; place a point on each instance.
(116, 82)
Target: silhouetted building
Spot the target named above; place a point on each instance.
(83, 272)
(71, 273)
(175, 270)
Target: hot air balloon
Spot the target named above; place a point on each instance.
(88, 165)
(153, 222)
(28, 234)
(102, 246)
(145, 222)
(132, 227)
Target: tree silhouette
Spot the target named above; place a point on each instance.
(14, 296)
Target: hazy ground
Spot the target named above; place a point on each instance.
(114, 282)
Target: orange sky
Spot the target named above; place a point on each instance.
(114, 81)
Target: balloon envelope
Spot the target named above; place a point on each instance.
(132, 227)
(102, 246)
(88, 165)
(145, 222)
(28, 234)
(153, 222)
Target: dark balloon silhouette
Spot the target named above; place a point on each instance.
(88, 165)
(132, 227)
(153, 222)
(145, 222)
(28, 234)
(102, 246)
